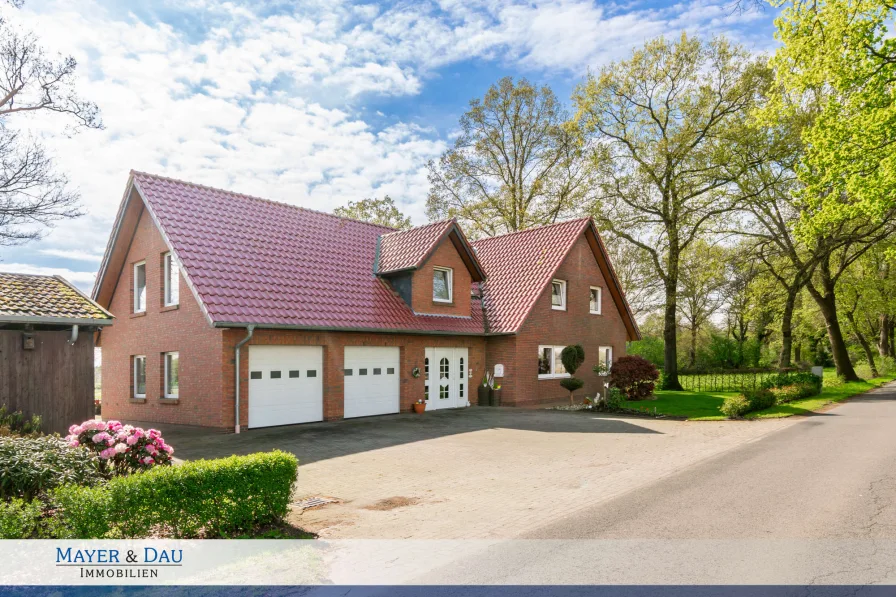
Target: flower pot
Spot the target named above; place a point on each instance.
(419, 408)
(483, 395)
(494, 397)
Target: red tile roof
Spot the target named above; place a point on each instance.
(519, 266)
(251, 260)
(408, 249)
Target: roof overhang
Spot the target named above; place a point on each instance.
(614, 286)
(64, 321)
(415, 332)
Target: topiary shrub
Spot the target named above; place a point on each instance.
(572, 358)
(737, 406)
(30, 466)
(200, 498)
(634, 376)
(20, 519)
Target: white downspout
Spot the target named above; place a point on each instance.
(236, 414)
(74, 337)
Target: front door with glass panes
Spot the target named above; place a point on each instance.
(446, 372)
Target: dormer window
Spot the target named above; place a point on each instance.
(558, 295)
(441, 284)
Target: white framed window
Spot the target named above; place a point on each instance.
(550, 364)
(595, 304)
(139, 381)
(605, 356)
(558, 295)
(172, 374)
(441, 284)
(172, 280)
(140, 287)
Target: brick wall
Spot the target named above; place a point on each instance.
(421, 287)
(546, 326)
(161, 329)
(411, 346)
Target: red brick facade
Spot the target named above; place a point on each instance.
(206, 395)
(547, 326)
(421, 287)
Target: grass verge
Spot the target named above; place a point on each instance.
(704, 406)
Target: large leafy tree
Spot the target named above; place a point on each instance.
(665, 128)
(376, 211)
(33, 193)
(839, 54)
(700, 292)
(517, 163)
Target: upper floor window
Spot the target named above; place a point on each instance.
(595, 300)
(605, 356)
(558, 295)
(140, 287)
(441, 284)
(172, 280)
(172, 374)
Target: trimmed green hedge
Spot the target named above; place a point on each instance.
(19, 519)
(201, 498)
(780, 389)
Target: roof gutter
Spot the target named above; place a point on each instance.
(236, 408)
(54, 320)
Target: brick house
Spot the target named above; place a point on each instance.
(234, 311)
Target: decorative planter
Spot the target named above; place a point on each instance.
(483, 395)
(419, 408)
(494, 397)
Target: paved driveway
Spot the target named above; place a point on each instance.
(475, 472)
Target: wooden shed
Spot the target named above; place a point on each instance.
(47, 329)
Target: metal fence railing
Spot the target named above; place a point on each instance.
(724, 381)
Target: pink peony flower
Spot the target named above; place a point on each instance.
(120, 448)
(169, 449)
(132, 439)
(100, 437)
(107, 453)
(74, 443)
(151, 449)
(148, 460)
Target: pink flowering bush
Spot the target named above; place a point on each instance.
(122, 449)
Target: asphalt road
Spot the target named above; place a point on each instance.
(812, 504)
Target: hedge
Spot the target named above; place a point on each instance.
(201, 498)
(30, 466)
(19, 519)
(779, 389)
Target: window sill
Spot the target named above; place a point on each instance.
(558, 308)
(549, 376)
(595, 313)
(443, 303)
(163, 400)
(134, 400)
(140, 314)
(166, 308)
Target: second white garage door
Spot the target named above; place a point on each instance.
(371, 381)
(285, 385)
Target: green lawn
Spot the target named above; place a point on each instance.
(704, 406)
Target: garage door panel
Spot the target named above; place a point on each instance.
(372, 384)
(285, 385)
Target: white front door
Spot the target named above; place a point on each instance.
(285, 385)
(371, 381)
(447, 378)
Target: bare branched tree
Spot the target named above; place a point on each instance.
(33, 194)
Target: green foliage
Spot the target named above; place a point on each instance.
(572, 384)
(376, 211)
(16, 423)
(634, 376)
(30, 466)
(737, 406)
(572, 358)
(19, 519)
(648, 347)
(777, 389)
(796, 378)
(615, 399)
(209, 498)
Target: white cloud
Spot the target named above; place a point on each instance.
(265, 103)
(83, 280)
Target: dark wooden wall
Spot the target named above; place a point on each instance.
(54, 380)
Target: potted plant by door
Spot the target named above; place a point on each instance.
(494, 392)
(483, 391)
(420, 406)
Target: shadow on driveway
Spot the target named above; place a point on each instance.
(312, 442)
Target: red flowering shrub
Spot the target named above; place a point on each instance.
(122, 449)
(634, 376)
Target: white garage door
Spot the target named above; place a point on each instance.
(371, 381)
(285, 385)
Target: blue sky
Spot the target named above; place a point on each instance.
(314, 103)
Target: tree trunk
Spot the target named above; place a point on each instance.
(670, 337)
(798, 352)
(892, 339)
(693, 347)
(866, 346)
(883, 339)
(787, 330)
(827, 304)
